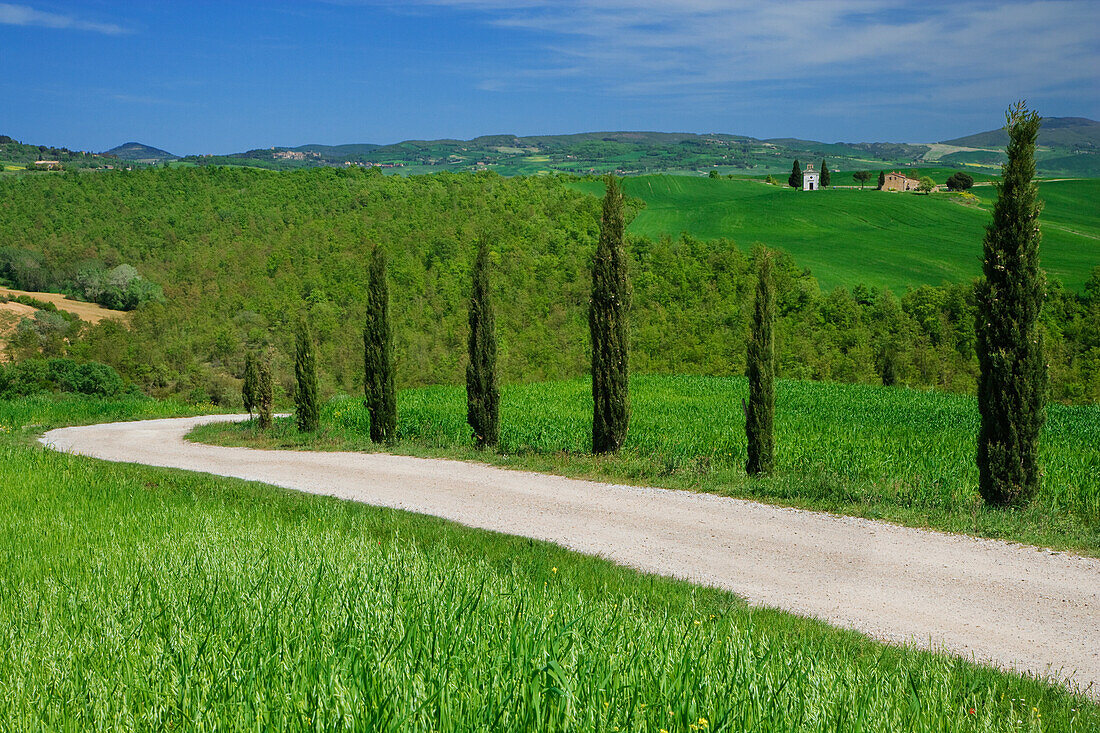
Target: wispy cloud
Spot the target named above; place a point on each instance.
(676, 47)
(28, 16)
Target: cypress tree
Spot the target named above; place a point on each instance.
(264, 394)
(378, 373)
(1013, 378)
(795, 179)
(249, 384)
(881, 179)
(760, 411)
(307, 411)
(607, 322)
(482, 395)
(824, 174)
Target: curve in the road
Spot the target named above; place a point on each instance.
(1010, 605)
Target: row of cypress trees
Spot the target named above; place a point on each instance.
(608, 313)
(1011, 390)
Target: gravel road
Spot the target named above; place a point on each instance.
(1014, 606)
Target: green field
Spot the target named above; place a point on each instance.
(152, 599)
(846, 237)
(897, 454)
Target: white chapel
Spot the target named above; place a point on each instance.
(810, 178)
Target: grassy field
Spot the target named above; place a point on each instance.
(897, 454)
(872, 237)
(151, 599)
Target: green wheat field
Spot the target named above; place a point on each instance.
(137, 598)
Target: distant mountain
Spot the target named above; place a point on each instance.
(1070, 146)
(1056, 132)
(141, 153)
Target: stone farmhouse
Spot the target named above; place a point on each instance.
(899, 182)
(810, 177)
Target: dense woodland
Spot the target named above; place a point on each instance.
(239, 254)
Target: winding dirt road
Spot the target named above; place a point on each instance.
(1013, 606)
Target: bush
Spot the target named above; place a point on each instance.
(24, 378)
(959, 182)
(42, 305)
(24, 269)
(121, 288)
(36, 376)
(94, 379)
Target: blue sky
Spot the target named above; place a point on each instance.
(218, 77)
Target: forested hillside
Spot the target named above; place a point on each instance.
(239, 253)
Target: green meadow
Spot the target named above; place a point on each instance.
(848, 237)
(135, 598)
(884, 453)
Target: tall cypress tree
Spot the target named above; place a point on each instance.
(795, 179)
(307, 411)
(881, 179)
(1013, 381)
(249, 391)
(760, 411)
(607, 322)
(378, 374)
(482, 394)
(264, 394)
(824, 174)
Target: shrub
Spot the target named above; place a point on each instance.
(959, 182)
(38, 376)
(94, 379)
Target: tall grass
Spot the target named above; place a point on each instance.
(899, 454)
(151, 599)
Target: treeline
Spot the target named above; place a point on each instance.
(119, 288)
(38, 376)
(240, 253)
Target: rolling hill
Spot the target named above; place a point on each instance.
(848, 236)
(624, 153)
(140, 153)
(1058, 132)
(1068, 150)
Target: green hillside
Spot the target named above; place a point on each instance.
(239, 253)
(1062, 132)
(141, 153)
(1069, 148)
(19, 158)
(872, 237)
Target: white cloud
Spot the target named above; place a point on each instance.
(28, 16)
(921, 47)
